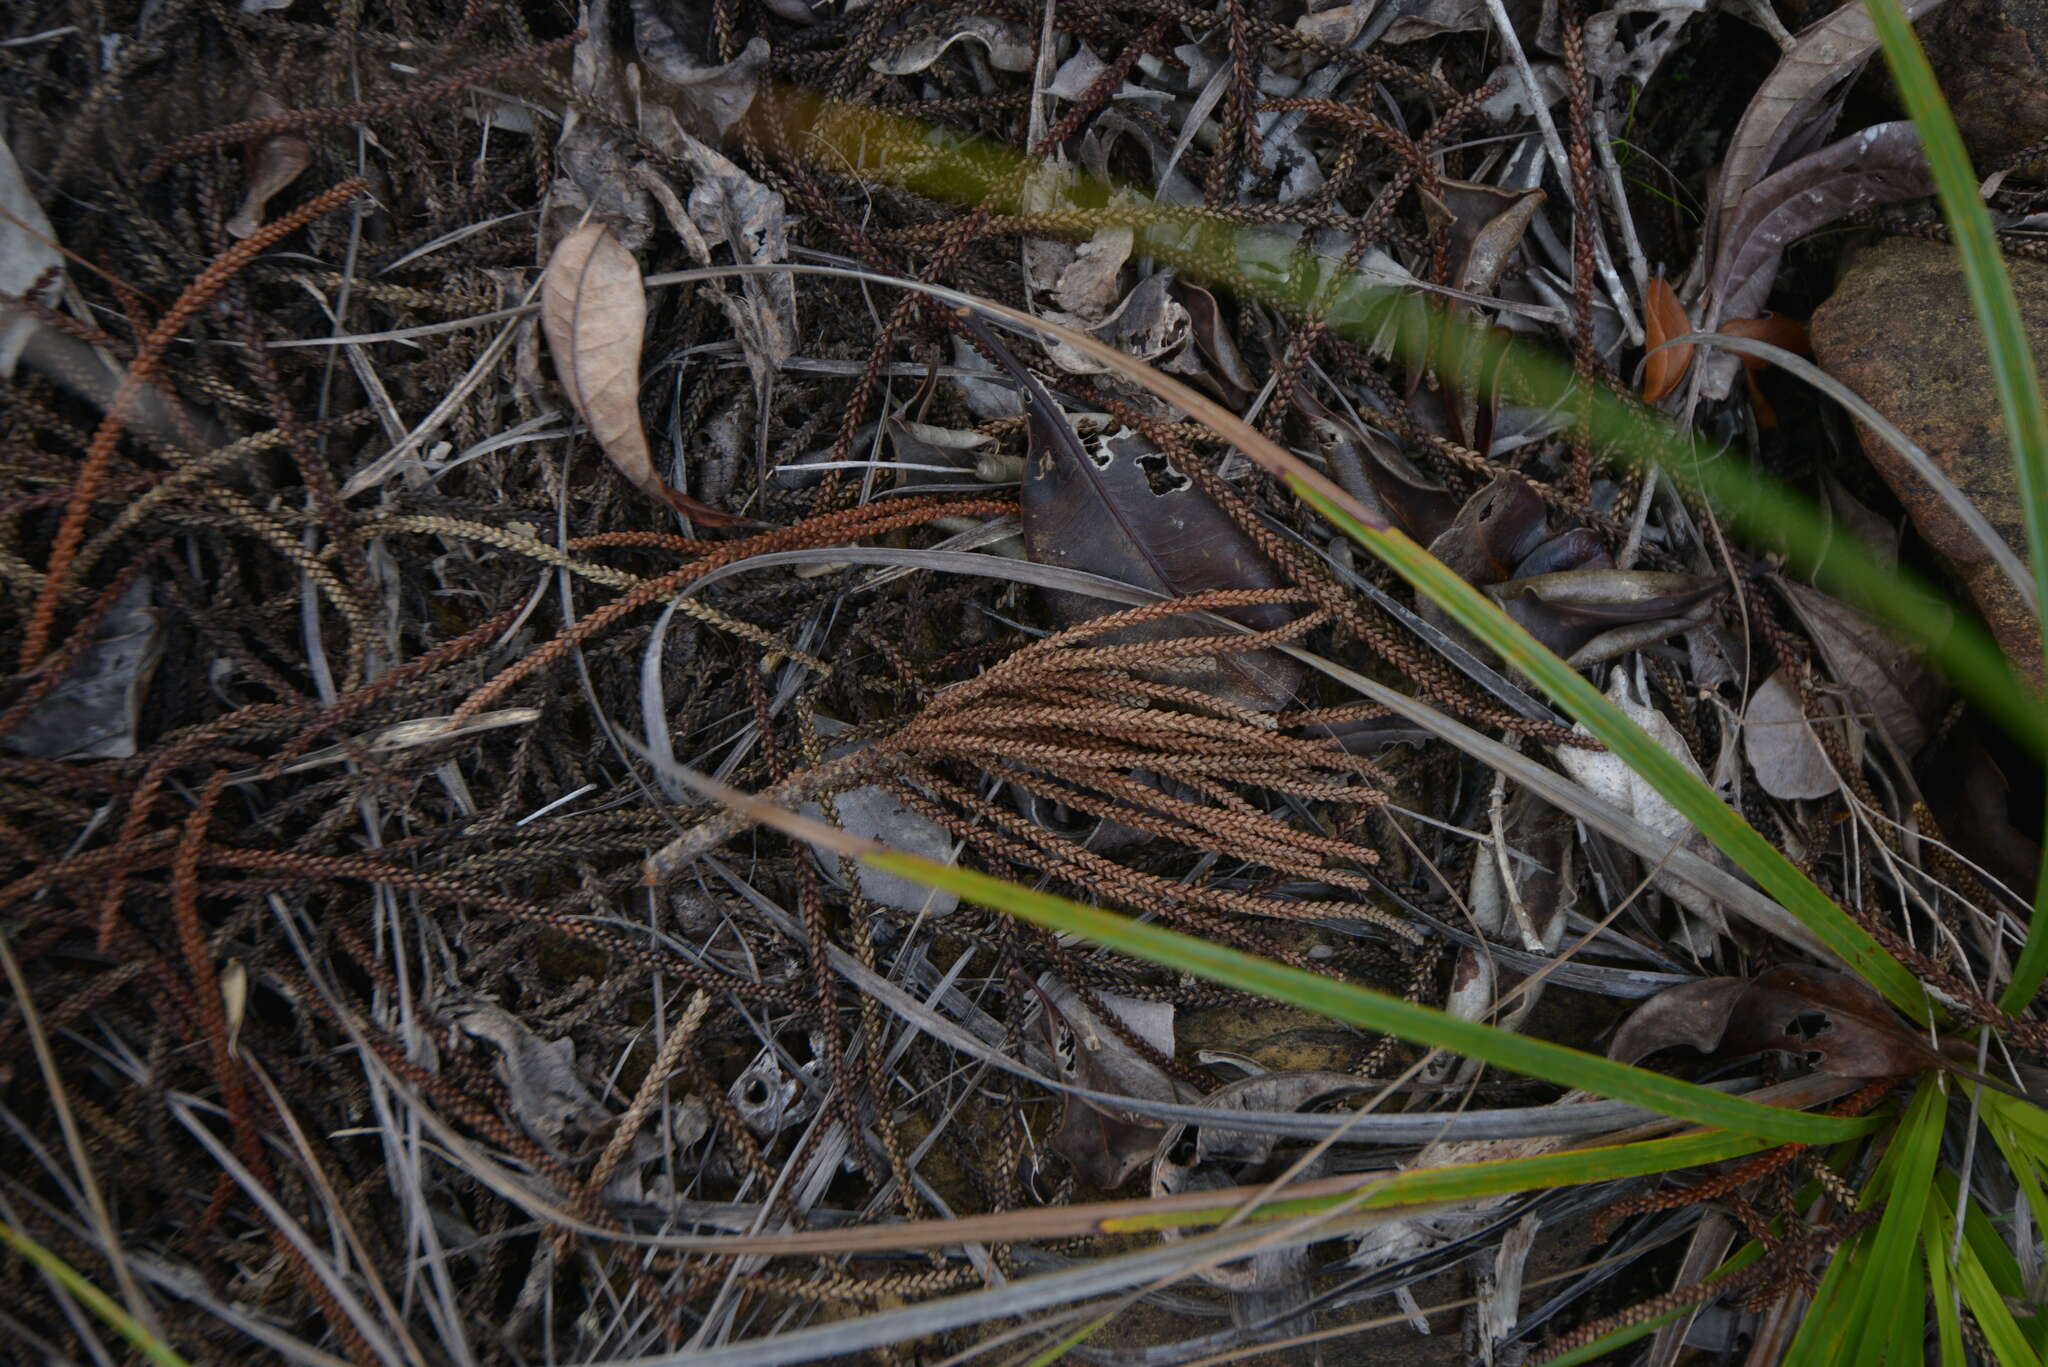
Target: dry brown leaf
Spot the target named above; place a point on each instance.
(593, 309)
(1664, 318)
(274, 163)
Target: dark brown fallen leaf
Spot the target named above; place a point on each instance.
(1883, 164)
(1372, 470)
(1835, 1020)
(1824, 57)
(1894, 690)
(1592, 615)
(1493, 532)
(1115, 506)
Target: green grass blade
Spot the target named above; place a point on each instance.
(2012, 359)
(1872, 1318)
(1948, 1323)
(1500, 1177)
(1372, 1010)
(2008, 1342)
(1693, 799)
(92, 1298)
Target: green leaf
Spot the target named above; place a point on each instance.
(1871, 1317)
(1948, 1323)
(1374, 1010)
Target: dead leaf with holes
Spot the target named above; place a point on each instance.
(1836, 1020)
(1115, 506)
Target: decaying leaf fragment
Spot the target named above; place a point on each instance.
(549, 1097)
(1106, 1145)
(274, 163)
(1838, 1021)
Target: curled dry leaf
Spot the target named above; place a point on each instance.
(1824, 57)
(1590, 616)
(729, 207)
(1883, 164)
(593, 310)
(1774, 328)
(1838, 1021)
(713, 97)
(1528, 911)
(1880, 165)
(96, 713)
(1009, 47)
(1664, 318)
(274, 163)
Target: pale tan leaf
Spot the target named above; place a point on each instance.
(1778, 738)
(593, 309)
(274, 163)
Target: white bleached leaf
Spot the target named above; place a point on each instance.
(94, 713)
(1009, 49)
(1608, 776)
(25, 253)
(549, 1097)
